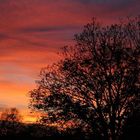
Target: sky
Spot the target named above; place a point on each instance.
(33, 31)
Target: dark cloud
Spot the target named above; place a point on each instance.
(3, 36)
(4, 1)
(48, 29)
(112, 4)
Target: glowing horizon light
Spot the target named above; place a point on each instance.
(29, 119)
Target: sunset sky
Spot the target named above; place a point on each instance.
(32, 31)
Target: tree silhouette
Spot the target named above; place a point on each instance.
(10, 123)
(96, 85)
(11, 115)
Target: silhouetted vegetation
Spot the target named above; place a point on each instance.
(17, 130)
(96, 85)
(131, 129)
(11, 115)
(92, 93)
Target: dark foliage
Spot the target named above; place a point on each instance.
(16, 130)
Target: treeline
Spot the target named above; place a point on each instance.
(17, 130)
(12, 128)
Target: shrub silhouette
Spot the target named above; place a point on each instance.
(10, 122)
(11, 115)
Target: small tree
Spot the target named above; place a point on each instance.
(10, 115)
(97, 83)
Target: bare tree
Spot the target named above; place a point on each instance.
(97, 83)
